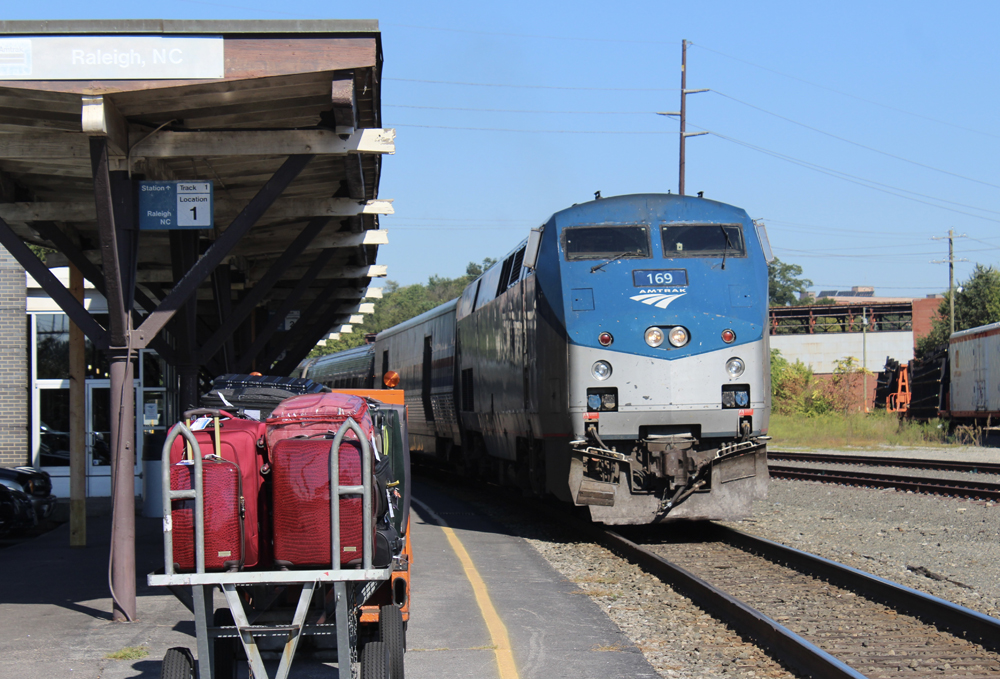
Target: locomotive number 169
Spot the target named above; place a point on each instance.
(646, 277)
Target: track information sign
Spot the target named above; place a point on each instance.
(175, 205)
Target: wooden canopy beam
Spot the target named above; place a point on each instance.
(53, 287)
(100, 118)
(265, 334)
(263, 286)
(167, 144)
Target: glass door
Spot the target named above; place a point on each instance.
(98, 438)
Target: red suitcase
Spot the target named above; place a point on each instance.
(317, 414)
(242, 444)
(300, 478)
(224, 533)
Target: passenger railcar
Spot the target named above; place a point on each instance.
(617, 358)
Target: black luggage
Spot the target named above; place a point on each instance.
(256, 395)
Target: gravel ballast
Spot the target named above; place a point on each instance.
(947, 547)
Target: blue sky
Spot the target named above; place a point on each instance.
(856, 131)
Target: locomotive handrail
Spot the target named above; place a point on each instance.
(181, 429)
(367, 538)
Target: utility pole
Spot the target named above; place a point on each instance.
(951, 271)
(683, 115)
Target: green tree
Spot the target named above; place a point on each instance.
(784, 282)
(399, 304)
(977, 304)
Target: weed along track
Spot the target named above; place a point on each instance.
(814, 615)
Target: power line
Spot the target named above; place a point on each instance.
(854, 143)
(395, 217)
(813, 253)
(535, 87)
(861, 181)
(505, 129)
(834, 230)
(848, 94)
(514, 110)
(530, 36)
(881, 287)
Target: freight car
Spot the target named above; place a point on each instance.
(617, 358)
(959, 381)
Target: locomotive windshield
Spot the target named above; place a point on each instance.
(703, 240)
(602, 242)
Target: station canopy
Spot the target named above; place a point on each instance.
(114, 134)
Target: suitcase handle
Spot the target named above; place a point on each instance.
(214, 412)
(336, 490)
(180, 429)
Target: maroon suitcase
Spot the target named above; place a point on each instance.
(316, 415)
(300, 478)
(224, 534)
(242, 444)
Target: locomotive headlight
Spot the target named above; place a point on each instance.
(678, 336)
(601, 370)
(654, 337)
(735, 367)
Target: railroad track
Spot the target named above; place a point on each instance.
(818, 617)
(951, 487)
(908, 463)
(964, 488)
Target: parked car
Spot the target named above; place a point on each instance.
(17, 513)
(35, 484)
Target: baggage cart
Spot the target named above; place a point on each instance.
(271, 612)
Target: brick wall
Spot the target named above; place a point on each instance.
(924, 313)
(14, 441)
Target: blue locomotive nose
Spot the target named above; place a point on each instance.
(616, 358)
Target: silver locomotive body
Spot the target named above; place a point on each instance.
(543, 372)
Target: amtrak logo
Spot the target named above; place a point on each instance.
(660, 298)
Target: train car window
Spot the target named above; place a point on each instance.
(703, 240)
(601, 242)
(428, 375)
(504, 276)
(515, 268)
(467, 302)
(488, 286)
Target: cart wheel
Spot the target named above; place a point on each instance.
(227, 651)
(390, 632)
(178, 663)
(375, 661)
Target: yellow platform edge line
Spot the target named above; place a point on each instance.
(498, 631)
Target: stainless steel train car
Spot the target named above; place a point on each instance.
(617, 359)
(351, 369)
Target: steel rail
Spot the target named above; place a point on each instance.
(958, 620)
(788, 647)
(908, 463)
(917, 484)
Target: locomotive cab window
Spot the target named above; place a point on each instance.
(703, 240)
(602, 242)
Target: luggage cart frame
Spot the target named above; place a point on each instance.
(346, 588)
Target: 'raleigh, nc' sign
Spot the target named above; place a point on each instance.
(117, 57)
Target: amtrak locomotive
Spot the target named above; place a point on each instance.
(618, 358)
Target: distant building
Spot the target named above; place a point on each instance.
(857, 324)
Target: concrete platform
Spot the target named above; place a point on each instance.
(554, 630)
(55, 608)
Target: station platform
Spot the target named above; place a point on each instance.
(503, 612)
(553, 629)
